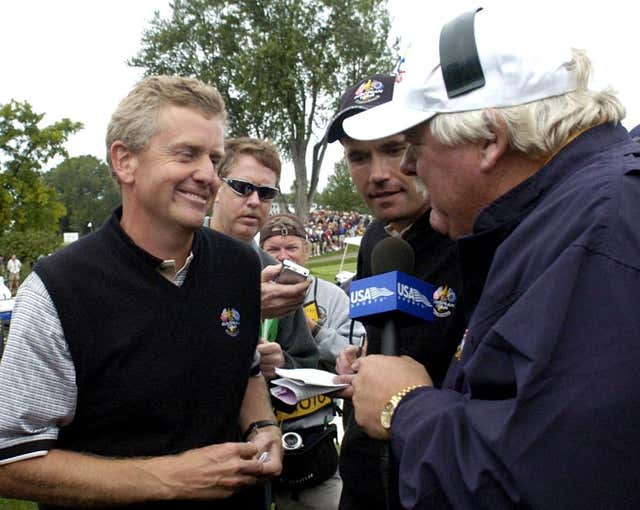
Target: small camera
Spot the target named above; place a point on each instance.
(291, 441)
(291, 273)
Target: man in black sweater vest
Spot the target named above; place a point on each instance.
(130, 371)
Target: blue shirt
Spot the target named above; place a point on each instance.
(542, 410)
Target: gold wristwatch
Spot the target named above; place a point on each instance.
(386, 415)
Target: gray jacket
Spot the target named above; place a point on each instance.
(335, 324)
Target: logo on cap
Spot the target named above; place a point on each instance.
(444, 301)
(399, 70)
(284, 231)
(230, 319)
(369, 91)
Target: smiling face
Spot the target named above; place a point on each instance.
(392, 196)
(168, 187)
(241, 217)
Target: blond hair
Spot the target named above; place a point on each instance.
(538, 128)
(135, 120)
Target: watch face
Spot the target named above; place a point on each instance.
(386, 414)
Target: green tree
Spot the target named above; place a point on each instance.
(279, 64)
(87, 190)
(25, 200)
(28, 245)
(340, 193)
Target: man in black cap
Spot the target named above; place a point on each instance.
(400, 204)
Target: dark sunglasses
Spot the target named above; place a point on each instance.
(245, 188)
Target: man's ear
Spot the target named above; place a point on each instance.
(123, 162)
(493, 150)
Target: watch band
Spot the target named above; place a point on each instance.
(386, 415)
(405, 391)
(258, 425)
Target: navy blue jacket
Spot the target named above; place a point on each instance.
(543, 409)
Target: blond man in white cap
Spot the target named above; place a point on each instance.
(533, 174)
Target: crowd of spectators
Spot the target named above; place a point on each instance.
(326, 229)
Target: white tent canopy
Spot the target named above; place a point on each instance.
(353, 241)
(343, 276)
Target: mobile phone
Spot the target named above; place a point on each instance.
(291, 273)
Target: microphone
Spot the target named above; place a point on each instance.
(392, 254)
(391, 297)
(392, 258)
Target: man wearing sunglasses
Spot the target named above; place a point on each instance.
(245, 188)
(250, 171)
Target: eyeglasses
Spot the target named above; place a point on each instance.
(245, 188)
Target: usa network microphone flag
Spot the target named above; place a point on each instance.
(391, 292)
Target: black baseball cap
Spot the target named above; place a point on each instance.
(372, 91)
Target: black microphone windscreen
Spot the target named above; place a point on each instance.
(392, 254)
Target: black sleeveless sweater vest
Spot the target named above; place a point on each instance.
(160, 369)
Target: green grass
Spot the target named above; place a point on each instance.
(326, 266)
(14, 504)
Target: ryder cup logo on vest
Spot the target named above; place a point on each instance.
(230, 320)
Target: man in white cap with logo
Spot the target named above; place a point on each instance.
(534, 175)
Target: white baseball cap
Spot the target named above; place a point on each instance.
(484, 60)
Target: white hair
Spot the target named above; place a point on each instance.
(540, 127)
